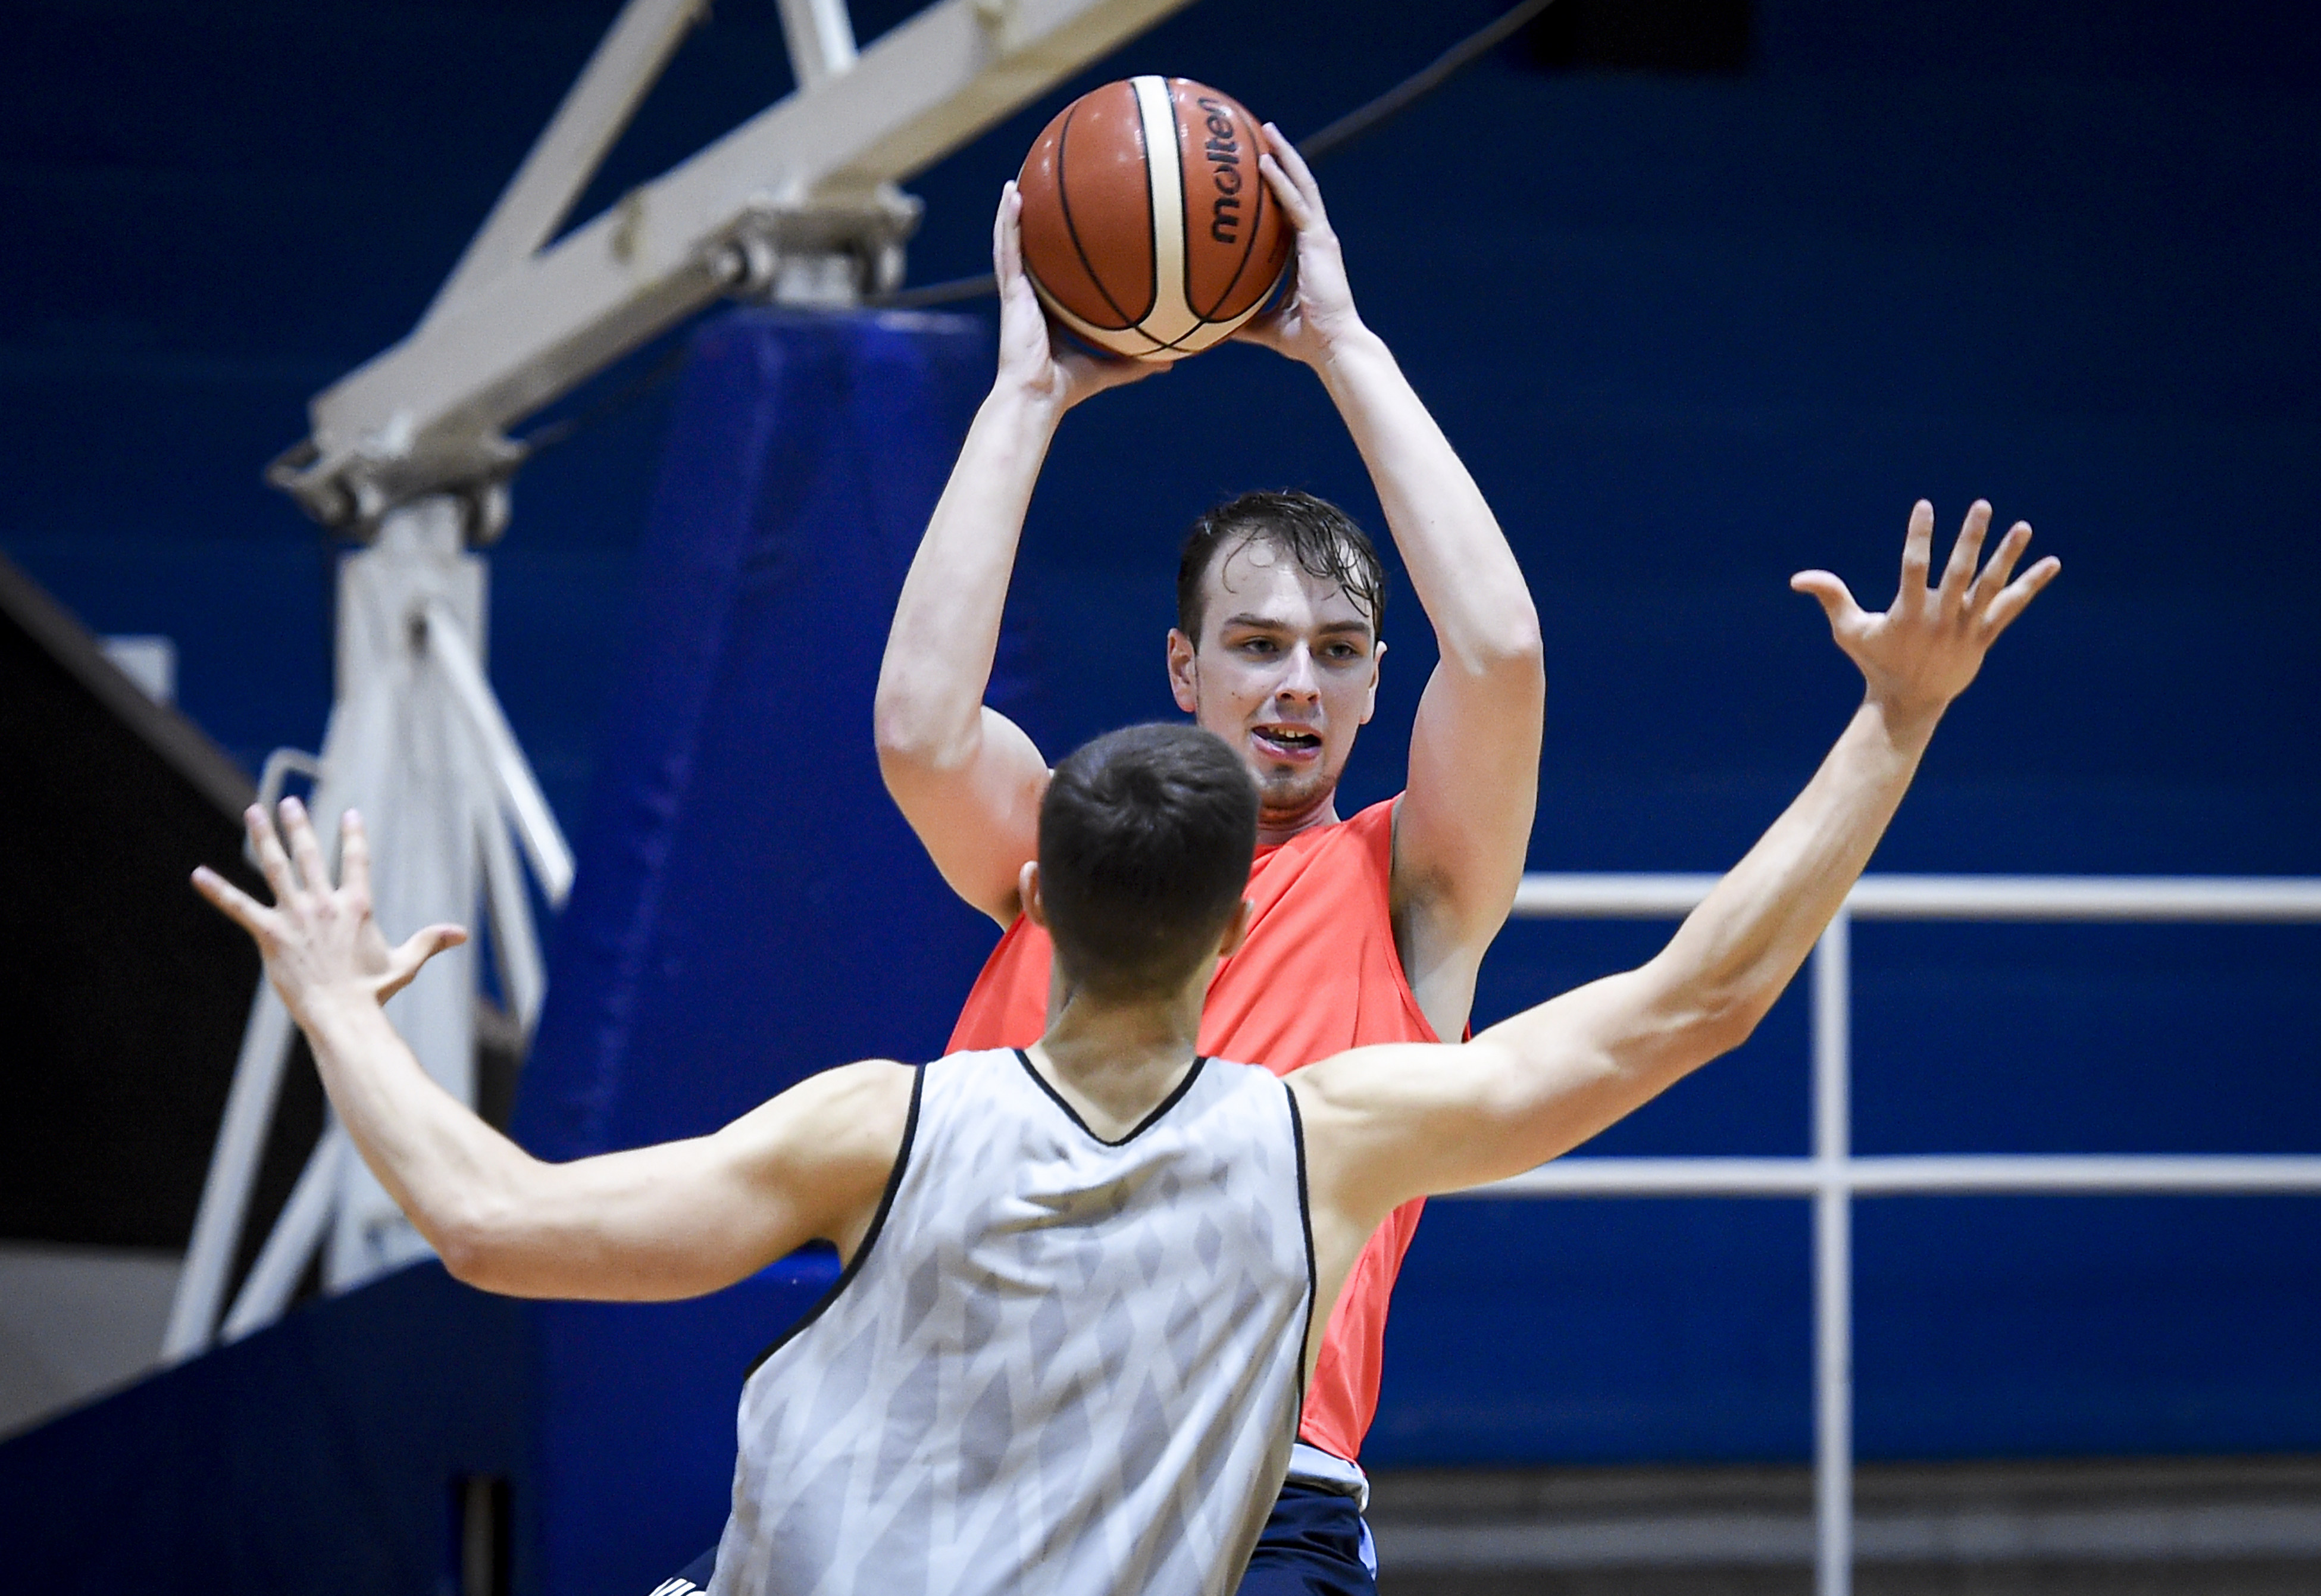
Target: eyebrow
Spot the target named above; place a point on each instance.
(1266, 622)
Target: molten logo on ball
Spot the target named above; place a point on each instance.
(1224, 156)
(1147, 230)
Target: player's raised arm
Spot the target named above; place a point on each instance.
(674, 1220)
(966, 777)
(1465, 818)
(1542, 1082)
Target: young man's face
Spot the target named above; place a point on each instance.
(1285, 671)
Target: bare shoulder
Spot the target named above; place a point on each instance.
(1364, 1083)
(854, 1112)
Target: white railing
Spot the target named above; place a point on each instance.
(1833, 1177)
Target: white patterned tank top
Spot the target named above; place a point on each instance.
(1057, 1366)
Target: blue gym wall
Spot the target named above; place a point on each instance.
(1691, 334)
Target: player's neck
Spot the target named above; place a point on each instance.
(1277, 826)
(1116, 1062)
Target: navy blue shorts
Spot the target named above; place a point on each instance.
(1314, 1544)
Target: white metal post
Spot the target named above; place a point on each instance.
(233, 1169)
(1833, 1263)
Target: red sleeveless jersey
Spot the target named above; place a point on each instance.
(1317, 975)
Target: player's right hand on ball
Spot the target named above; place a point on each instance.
(320, 941)
(1036, 359)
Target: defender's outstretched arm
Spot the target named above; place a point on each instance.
(1466, 814)
(966, 777)
(674, 1220)
(1540, 1083)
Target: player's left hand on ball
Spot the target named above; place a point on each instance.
(1921, 653)
(320, 939)
(1320, 308)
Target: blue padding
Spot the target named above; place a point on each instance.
(749, 906)
(319, 1454)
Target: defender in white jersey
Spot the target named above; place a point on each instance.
(1084, 1283)
(1061, 1363)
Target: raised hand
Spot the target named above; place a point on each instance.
(1921, 653)
(318, 940)
(1320, 308)
(1033, 356)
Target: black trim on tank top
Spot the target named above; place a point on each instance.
(1175, 1096)
(869, 1238)
(1305, 1220)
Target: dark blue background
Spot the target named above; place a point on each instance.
(1691, 333)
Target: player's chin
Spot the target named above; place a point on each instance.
(1281, 789)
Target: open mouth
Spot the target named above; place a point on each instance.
(1289, 742)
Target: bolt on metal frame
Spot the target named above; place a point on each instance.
(1833, 1177)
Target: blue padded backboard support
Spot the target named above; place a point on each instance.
(750, 908)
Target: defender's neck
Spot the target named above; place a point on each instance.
(1116, 1061)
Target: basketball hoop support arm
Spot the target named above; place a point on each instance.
(807, 181)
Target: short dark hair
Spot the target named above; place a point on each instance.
(1145, 841)
(1321, 537)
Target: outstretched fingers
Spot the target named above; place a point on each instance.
(354, 858)
(236, 905)
(417, 948)
(2017, 594)
(272, 861)
(2000, 567)
(1966, 554)
(1918, 550)
(1836, 598)
(306, 851)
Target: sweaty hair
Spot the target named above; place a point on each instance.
(1322, 538)
(1145, 841)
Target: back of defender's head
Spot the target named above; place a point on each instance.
(1320, 539)
(1145, 841)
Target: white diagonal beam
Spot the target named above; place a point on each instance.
(517, 790)
(821, 37)
(234, 1170)
(635, 50)
(298, 1231)
(436, 401)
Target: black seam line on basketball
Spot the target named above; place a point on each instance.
(1176, 1095)
(1195, 329)
(1184, 204)
(869, 1238)
(1071, 228)
(1305, 1220)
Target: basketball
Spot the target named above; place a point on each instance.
(1147, 230)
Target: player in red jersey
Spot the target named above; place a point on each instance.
(1366, 930)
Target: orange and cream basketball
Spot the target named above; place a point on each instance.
(1147, 230)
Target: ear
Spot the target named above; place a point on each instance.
(1236, 929)
(1184, 677)
(1027, 894)
(1370, 704)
